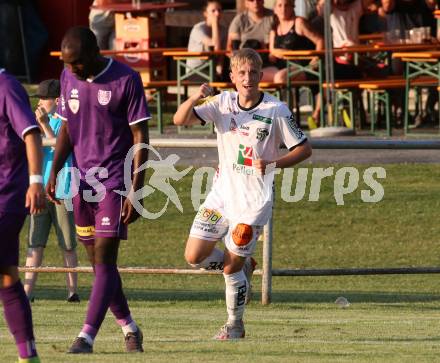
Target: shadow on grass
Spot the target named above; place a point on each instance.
(155, 295)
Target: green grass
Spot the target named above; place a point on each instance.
(391, 318)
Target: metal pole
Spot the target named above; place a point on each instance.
(324, 144)
(23, 42)
(329, 65)
(266, 283)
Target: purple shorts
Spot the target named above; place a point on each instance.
(10, 227)
(99, 219)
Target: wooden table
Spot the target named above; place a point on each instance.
(292, 56)
(143, 7)
(373, 37)
(57, 53)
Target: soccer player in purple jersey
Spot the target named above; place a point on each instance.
(19, 138)
(105, 112)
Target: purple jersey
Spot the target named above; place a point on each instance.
(99, 113)
(16, 119)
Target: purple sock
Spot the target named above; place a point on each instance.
(119, 306)
(103, 291)
(18, 316)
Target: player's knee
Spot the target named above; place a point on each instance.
(193, 259)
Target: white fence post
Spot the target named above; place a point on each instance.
(266, 283)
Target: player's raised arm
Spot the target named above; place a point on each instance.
(184, 115)
(35, 193)
(63, 149)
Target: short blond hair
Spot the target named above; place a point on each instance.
(246, 55)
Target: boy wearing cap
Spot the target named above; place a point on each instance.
(54, 214)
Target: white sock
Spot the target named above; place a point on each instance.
(87, 337)
(129, 328)
(213, 262)
(236, 287)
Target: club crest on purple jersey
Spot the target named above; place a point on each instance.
(73, 105)
(73, 102)
(104, 97)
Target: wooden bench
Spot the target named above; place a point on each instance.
(344, 92)
(379, 91)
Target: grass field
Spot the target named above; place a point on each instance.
(390, 319)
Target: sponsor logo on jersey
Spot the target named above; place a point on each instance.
(73, 102)
(244, 130)
(74, 93)
(242, 234)
(262, 133)
(210, 216)
(105, 221)
(205, 227)
(245, 154)
(63, 103)
(104, 97)
(296, 130)
(243, 169)
(233, 125)
(266, 120)
(86, 231)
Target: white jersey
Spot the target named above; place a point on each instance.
(244, 135)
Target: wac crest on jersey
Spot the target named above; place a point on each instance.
(262, 133)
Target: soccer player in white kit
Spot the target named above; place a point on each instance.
(250, 127)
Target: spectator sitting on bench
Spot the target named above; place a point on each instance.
(250, 29)
(294, 33)
(208, 35)
(402, 16)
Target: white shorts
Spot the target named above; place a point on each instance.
(210, 224)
